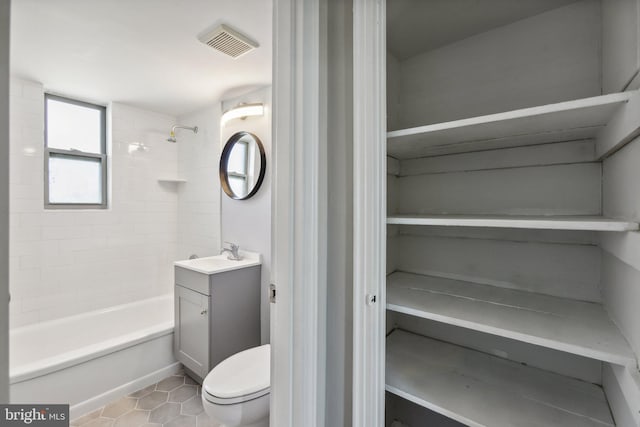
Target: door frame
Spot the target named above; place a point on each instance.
(298, 319)
(299, 225)
(5, 16)
(369, 222)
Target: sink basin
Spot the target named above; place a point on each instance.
(220, 263)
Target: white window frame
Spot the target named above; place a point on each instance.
(76, 154)
(242, 175)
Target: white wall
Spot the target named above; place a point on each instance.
(248, 222)
(572, 189)
(621, 261)
(393, 94)
(67, 262)
(4, 199)
(620, 43)
(515, 181)
(551, 57)
(199, 197)
(620, 278)
(586, 369)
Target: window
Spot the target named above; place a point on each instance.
(237, 168)
(75, 154)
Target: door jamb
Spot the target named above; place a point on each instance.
(299, 227)
(369, 258)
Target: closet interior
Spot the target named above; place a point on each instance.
(513, 203)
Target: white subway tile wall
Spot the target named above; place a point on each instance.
(199, 197)
(64, 262)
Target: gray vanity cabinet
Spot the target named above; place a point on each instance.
(192, 329)
(216, 315)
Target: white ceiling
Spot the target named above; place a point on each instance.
(144, 52)
(416, 26)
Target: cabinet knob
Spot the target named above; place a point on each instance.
(203, 312)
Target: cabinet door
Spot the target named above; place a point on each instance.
(191, 340)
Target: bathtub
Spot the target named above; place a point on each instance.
(90, 359)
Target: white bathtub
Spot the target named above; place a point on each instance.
(89, 359)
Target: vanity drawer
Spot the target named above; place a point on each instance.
(192, 280)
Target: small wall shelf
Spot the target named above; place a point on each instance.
(477, 389)
(564, 121)
(172, 180)
(563, 324)
(580, 223)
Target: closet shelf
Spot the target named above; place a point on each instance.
(477, 389)
(581, 223)
(565, 121)
(572, 326)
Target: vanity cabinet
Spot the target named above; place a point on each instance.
(216, 316)
(192, 329)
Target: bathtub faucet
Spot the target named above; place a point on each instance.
(233, 251)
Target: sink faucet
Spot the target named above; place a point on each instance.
(233, 251)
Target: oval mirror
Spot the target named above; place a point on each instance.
(242, 165)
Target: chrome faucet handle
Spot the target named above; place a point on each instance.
(233, 246)
(233, 251)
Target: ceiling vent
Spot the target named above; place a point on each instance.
(228, 41)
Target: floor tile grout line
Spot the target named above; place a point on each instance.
(183, 384)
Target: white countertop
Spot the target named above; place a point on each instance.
(220, 263)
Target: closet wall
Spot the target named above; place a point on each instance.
(580, 50)
(551, 57)
(621, 252)
(620, 275)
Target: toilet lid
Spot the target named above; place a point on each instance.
(243, 374)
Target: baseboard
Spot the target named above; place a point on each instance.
(96, 402)
(193, 375)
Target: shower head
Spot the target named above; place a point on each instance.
(172, 135)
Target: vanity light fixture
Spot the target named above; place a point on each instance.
(242, 111)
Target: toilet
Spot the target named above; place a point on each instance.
(236, 392)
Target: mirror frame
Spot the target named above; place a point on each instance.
(226, 152)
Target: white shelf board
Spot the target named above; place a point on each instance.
(173, 180)
(582, 223)
(565, 121)
(576, 327)
(480, 390)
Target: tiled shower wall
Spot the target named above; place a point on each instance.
(199, 197)
(64, 262)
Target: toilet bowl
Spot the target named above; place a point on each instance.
(236, 392)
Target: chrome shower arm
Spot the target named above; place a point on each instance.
(194, 129)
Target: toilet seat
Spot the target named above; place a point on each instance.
(239, 378)
(234, 400)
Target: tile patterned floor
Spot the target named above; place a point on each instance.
(173, 402)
